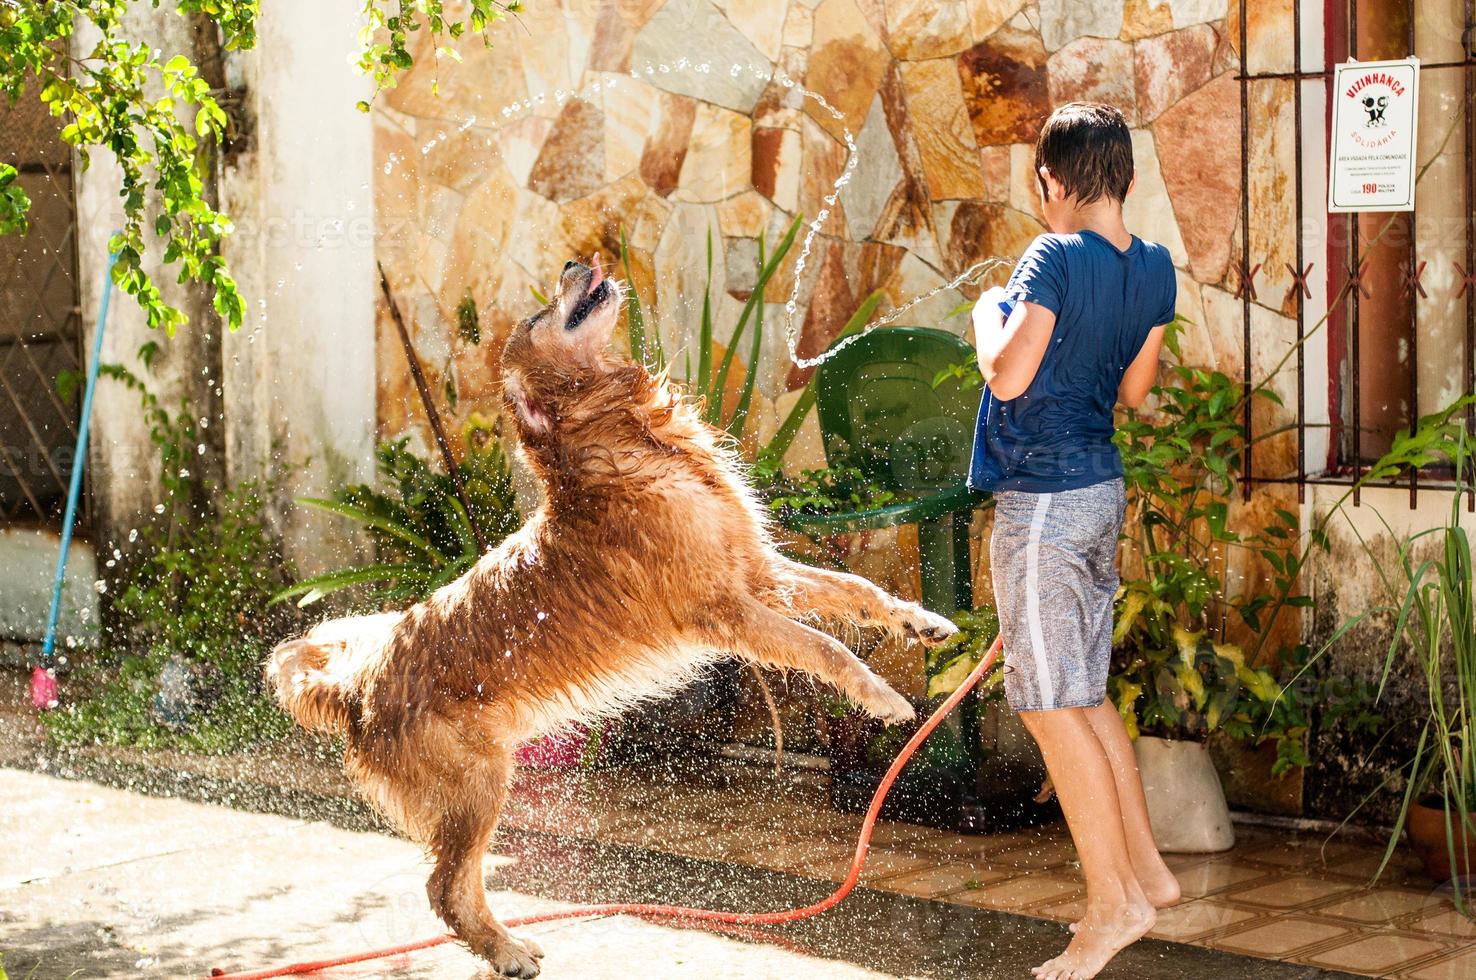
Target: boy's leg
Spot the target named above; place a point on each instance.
(1118, 913)
(1157, 881)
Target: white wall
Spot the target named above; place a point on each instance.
(299, 375)
(27, 563)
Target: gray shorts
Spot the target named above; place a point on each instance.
(1053, 557)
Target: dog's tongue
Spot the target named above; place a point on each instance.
(599, 273)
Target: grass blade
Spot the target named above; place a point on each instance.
(704, 336)
(766, 272)
(369, 519)
(636, 316)
(739, 420)
(321, 585)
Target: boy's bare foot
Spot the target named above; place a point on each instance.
(1099, 937)
(1160, 887)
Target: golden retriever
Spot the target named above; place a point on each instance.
(649, 558)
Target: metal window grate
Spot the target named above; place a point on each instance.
(40, 323)
(1348, 285)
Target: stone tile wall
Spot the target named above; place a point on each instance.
(943, 98)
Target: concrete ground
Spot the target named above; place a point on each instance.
(102, 882)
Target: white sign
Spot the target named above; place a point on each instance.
(1374, 122)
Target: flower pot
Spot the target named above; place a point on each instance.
(1186, 803)
(1427, 833)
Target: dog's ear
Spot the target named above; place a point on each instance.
(533, 417)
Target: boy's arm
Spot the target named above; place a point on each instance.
(1143, 372)
(1010, 351)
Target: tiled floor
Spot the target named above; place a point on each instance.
(1298, 899)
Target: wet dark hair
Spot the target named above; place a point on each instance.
(1087, 147)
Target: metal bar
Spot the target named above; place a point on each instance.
(1246, 460)
(1327, 72)
(1470, 80)
(418, 375)
(36, 440)
(84, 514)
(1334, 42)
(5, 454)
(1354, 295)
(1333, 481)
(1412, 229)
(1301, 305)
(41, 337)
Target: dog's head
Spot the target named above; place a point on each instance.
(562, 349)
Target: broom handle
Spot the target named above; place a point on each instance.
(74, 487)
(430, 409)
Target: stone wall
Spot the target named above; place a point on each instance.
(607, 133)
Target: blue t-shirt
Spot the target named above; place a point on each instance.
(1058, 434)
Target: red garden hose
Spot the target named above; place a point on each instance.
(675, 911)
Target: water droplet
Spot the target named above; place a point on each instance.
(133, 534)
(101, 586)
(158, 508)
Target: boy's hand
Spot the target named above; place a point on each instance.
(989, 319)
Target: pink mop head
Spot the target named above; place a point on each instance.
(43, 689)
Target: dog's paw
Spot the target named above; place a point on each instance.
(511, 957)
(887, 705)
(927, 628)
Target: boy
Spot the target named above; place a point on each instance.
(1077, 330)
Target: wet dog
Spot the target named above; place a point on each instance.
(649, 558)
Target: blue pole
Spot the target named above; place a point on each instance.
(74, 489)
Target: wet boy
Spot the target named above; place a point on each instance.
(1077, 330)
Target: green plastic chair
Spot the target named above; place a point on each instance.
(879, 412)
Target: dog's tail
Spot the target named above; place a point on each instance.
(305, 689)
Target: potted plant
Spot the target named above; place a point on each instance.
(1177, 676)
(1432, 591)
(1175, 688)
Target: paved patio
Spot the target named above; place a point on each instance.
(1293, 898)
(101, 882)
(1298, 899)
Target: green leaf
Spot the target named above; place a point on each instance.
(1134, 601)
(369, 519)
(635, 316)
(1259, 683)
(318, 586)
(1216, 513)
(704, 342)
(468, 320)
(14, 204)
